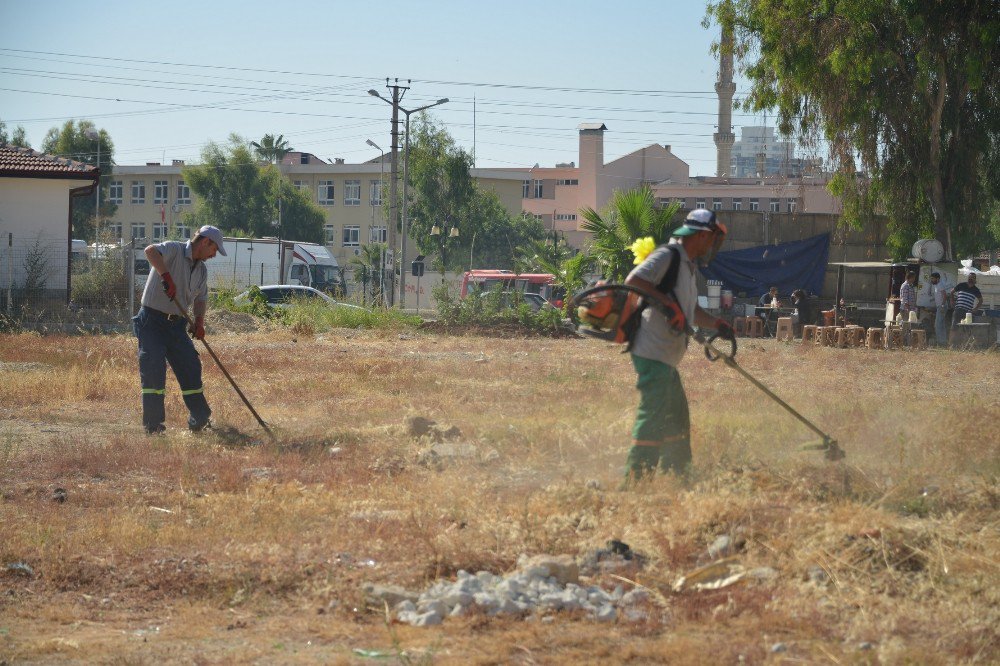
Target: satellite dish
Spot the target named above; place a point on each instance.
(176, 208)
(929, 250)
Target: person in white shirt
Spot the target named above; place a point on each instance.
(940, 292)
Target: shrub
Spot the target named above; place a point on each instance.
(495, 308)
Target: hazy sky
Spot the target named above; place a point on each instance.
(164, 79)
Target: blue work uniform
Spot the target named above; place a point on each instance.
(162, 335)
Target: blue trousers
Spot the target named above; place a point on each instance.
(163, 340)
(941, 325)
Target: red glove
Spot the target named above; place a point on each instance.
(725, 329)
(168, 285)
(197, 329)
(675, 316)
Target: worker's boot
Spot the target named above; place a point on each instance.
(640, 464)
(675, 456)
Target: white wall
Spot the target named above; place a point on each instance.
(35, 210)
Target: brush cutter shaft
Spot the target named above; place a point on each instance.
(236, 388)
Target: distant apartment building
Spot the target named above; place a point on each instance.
(759, 153)
(152, 199)
(774, 194)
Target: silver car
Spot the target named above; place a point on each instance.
(282, 296)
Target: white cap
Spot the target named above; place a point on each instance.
(214, 235)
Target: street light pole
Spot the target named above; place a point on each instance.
(381, 173)
(397, 96)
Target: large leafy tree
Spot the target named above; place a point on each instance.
(71, 141)
(16, 138)
(241, 197)
(904, 92)
(271, 148)
(630, 215)
(443, 194)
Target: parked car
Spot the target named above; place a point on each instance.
(283, 295)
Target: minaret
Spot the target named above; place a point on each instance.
(725, 88)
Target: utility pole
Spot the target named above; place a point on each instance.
(397, 96)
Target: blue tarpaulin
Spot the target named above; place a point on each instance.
(788, 266)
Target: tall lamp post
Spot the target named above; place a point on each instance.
(381, 175)
(94, 135)
(406, 182)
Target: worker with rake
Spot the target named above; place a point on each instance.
(662, 430)
(177, 279)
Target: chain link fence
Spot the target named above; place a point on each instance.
(51, 286)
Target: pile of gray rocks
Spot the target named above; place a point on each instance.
(539, 586)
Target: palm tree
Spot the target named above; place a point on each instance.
(367, 266)
(630, 215)
(271, 149)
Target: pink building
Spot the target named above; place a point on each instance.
(557, 194)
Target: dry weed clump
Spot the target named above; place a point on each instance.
(226, 546)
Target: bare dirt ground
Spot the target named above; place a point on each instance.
(225, 547)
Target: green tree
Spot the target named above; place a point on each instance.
(17, 138)
(241, 197)
(905, 93)
(630, 215)
(443, 194)
(71, 141)
(271, 148)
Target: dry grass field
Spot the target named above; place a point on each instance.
(224, 548)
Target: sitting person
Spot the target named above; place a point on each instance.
(769, 300)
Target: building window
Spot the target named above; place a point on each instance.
(183, 193)
(538, 189)
(737, 204)
(565, 217)
(115, 231)
(716, 204)
(138, 230)
(183, 231)
(115, 192)
(700, 203)
(568, 181)
(775, 205)
(138, 192)
(791, 205)
(300, 185)
(352, 192)
(352, 236)
(378, 234)
(663, 201)
(754, 204)
(160, 191)
(159, 231)
(525, 189)
(329, 234)
(376, 191)
(324, 192)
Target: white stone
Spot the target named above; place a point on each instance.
(405, 606)
(427, 619)
(634, 597)
(433, 606)
(606, 613)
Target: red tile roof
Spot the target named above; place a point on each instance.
(26, 163)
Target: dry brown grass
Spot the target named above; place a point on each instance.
(225, 548)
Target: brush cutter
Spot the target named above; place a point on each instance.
(831, 451)
(187, 318)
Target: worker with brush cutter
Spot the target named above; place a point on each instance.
(662, 430)
(178, 276)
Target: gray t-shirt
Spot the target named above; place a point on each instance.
(188, 275)
(656, 339)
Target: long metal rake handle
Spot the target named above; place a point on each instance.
(225, 372)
